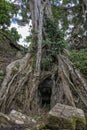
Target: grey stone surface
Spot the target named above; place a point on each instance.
(20, 118)
(66, 117)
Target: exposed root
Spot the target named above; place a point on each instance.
(63, 84)
(76, 80)
(16, 75)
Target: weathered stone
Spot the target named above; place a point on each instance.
(64, 117)
(19, 118)
(5, 120)
(16, 119)
(19, 122)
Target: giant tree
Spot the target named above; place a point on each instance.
(45, 75)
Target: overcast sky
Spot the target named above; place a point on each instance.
(23, 30)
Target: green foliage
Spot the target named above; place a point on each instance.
(67, 15)
(79, 58)
(54, 43)
(25, 16)
(6, 13)
(37, 117)
(61, 15)
(46, 62)
(24, 13)
(13, 33)
(55, 38)
(28, 39)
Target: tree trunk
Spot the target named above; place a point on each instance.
(31, 89)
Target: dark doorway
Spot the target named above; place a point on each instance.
(45, 91)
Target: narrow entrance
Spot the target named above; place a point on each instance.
(45, 91)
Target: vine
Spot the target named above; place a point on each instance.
(54, 42)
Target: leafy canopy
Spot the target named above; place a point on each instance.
(79, 58)
(6, 13)
(13, 34)
(54, 43)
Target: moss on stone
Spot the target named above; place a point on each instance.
(78, 121)
(61, 123)
(66, 123)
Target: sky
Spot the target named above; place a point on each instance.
(23, 30)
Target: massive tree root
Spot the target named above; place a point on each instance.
(14, 80)
(22, 89)
(72, 81)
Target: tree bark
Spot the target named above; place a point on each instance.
(22, 80)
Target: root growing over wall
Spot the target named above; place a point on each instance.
(63, 84)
